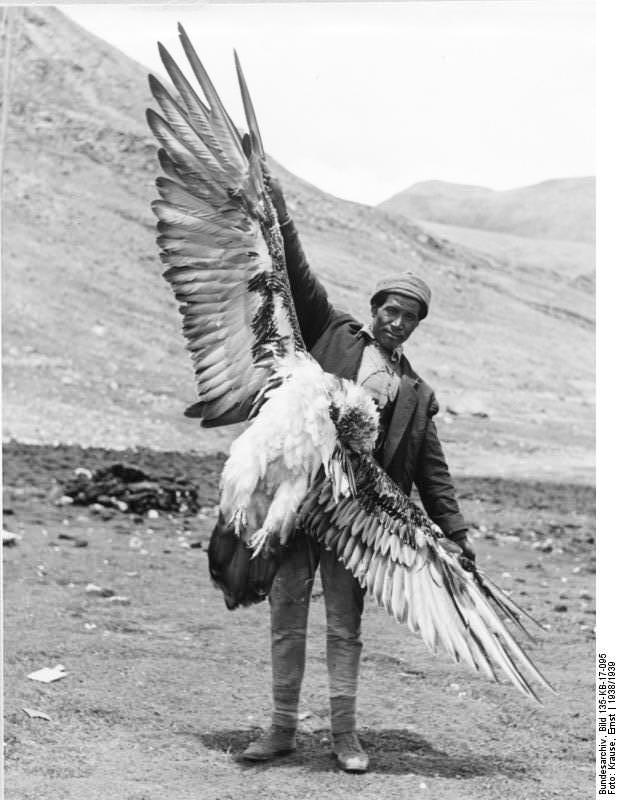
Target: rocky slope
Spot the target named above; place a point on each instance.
(92, 346)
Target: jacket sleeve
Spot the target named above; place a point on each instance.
(435, 485)
(313, 308)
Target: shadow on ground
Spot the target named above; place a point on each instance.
(391, 751)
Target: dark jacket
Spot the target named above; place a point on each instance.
(412, 452)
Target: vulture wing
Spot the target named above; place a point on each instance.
(405, 563)
(220, 242)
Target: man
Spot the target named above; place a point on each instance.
(409, 450)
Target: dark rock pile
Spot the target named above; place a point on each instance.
(131, 490)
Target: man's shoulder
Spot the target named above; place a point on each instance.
(339, 346)
(341, 323)
(343, 319)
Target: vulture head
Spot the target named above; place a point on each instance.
(355, 416)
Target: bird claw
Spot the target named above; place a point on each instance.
(258, 540)
(239, 520)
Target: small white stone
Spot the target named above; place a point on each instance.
(119, 600)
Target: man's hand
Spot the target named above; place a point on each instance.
(465, 551)
(467, 559)
(276, 195)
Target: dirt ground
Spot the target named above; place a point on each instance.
(162, 693)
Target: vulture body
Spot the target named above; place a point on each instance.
(304, 460)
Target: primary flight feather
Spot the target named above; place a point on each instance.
(305, 458)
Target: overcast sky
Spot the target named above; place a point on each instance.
(365, 99)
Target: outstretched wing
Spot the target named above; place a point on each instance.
(220, 242)
(402, 559)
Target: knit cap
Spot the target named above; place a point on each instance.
(409, 285)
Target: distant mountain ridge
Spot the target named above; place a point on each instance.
(560, 209)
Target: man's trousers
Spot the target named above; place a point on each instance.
(289, 601)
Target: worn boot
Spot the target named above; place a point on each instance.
(274, 742)
(349, 752)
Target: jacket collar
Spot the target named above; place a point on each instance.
(396, 355)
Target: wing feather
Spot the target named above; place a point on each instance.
(186, 134)
(223, 128)
(197, 112)
(397, 554)
(219, 242)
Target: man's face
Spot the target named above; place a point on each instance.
(395, 320)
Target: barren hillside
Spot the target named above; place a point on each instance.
(92, 346)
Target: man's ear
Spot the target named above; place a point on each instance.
(374, 309)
